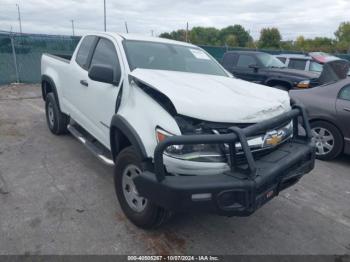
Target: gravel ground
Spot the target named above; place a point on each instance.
(56, 198)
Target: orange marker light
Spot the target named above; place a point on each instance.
(160, 136)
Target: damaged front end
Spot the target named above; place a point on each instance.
(260, 143)
(241, 188)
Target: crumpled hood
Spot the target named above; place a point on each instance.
(216, 98)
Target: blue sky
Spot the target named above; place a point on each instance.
(293, 18)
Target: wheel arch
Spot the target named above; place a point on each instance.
(47, 86)
(122, 134)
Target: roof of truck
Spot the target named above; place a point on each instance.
(139, 37)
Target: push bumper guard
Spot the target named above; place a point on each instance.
(244, 188)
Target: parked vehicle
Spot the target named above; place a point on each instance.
(266, 69)
(311, 62)
(182, 133)
(328, 108)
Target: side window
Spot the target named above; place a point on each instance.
(105, 54)
(282, 59)
(229, 60)
(245, 61)
(84, 50)
(345, 93)
(297, 64)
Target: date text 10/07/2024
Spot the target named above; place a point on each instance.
(173, 258)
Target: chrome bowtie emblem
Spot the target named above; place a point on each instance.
(273, 138)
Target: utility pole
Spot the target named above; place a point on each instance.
(104, 8)
(126, 27)
(19, 18)
(187, 32)
(73, 26)
(152, 32)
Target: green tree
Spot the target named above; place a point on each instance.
(270, 38)
(231, 40)
(241, 35)
(165, 35)
(204, 36)
(343, 37)
(343, 32)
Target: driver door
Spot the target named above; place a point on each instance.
(243, 69)
(101, 97)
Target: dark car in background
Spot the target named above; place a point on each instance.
(266, 69)
(328, 108)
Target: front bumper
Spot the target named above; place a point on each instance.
(242, 189)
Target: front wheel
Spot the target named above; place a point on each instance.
(328, 140)
(139, 210)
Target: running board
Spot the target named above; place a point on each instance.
(93, 147)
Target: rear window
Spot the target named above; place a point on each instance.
(282, 59)
(299, 64)
(84, 51)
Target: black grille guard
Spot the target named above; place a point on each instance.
(237, 134)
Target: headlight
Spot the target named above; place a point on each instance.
(304, 84)
(197, 152)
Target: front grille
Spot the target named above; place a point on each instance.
(241, 160)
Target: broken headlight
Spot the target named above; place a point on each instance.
(220, 152)
(197, 152)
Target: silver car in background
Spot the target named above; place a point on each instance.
(313, 61)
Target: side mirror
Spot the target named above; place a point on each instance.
(254, 66)
(102, 73)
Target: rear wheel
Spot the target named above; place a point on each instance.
(139, 210)
(56, 120)
(328, 140)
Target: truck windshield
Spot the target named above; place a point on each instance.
(172, 57)
(270, 61)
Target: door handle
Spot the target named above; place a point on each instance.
(347, 109)
(84, 82)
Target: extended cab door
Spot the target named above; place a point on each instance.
(100, 104)
(76, 85)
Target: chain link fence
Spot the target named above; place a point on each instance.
(20, 54)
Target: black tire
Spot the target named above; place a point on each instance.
(151, 216)
(281, 87)
(56, 120)
(337, 144)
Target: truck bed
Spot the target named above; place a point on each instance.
(62, 57)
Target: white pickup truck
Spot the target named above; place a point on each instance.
(183, 134)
